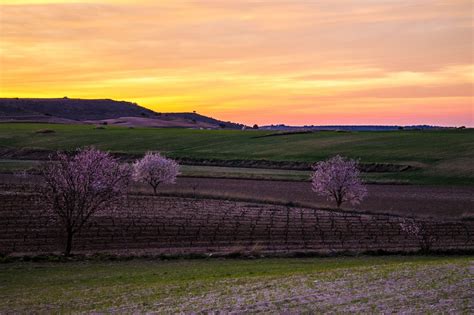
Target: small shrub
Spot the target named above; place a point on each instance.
(420, 231)
(256, 249)
(467, 216)
(45, 131)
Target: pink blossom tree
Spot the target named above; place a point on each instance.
(155, 169)
(78, 186)
(338, 179)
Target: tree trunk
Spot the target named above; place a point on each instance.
(154, 189)
(67, 251)
(339, 198)
(339, 202)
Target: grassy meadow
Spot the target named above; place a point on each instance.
(442, 156)
(363, 284)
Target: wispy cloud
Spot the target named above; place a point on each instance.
(256, 61)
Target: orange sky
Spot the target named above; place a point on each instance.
(294, 62)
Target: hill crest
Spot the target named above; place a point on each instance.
(100, 111)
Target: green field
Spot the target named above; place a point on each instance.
(366, 284)
(443, 156)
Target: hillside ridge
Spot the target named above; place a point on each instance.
(101, 111)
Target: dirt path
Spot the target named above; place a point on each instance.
(450, 201)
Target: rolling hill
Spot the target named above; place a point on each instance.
(101, 111)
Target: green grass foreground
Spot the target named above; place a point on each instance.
(442, 156)
(277, 284)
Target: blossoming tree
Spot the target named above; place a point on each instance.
(420, 231)
(78, 186)
(155, 169)
(338, 179)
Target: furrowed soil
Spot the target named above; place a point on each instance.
(173, 225)
(436, 201)
(455, 202)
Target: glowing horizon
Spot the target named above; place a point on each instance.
(292, 62)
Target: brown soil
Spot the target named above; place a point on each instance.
(452, 202)
(436, 201)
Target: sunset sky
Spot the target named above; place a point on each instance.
(293, 62)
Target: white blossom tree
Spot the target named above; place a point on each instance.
(338, 179)
(155, 169)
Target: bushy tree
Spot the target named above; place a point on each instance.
(155, 169)
(338, 179)
(78, 186)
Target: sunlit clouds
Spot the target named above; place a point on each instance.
(295, 62)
